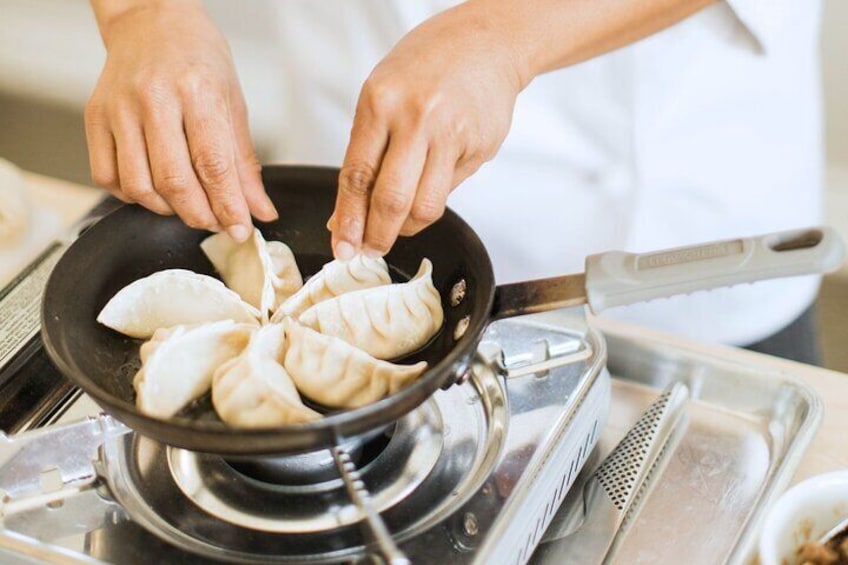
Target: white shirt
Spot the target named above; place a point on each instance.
(709, 129)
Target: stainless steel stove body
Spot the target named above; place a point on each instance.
(474, 475)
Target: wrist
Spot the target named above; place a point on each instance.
(514, 34)
(111, 13)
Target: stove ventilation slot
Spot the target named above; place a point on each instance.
(566, 480)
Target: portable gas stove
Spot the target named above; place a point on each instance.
(475, 474)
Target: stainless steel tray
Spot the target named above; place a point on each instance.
(746, 429)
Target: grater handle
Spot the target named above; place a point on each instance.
(617, 278)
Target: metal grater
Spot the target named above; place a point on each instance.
(625, 467)
(610, 493)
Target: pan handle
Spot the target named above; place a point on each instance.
(618, 278)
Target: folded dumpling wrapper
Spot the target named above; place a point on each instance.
(170, 298)
(336, 374)
(385, 321)
(178, 364)
(335, 278)
(253, 390)
(262, 273)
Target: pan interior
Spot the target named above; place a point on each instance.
(132, 243)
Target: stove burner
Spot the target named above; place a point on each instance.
(418, 471)
(315, 470)
(277, 505)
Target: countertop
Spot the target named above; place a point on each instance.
(827, 452)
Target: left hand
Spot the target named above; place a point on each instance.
(432, 111)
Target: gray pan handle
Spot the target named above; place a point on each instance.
(617, 278)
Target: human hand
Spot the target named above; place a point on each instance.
(167, 124)
(432, 111)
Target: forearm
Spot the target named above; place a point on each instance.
(107, 12)
(551, 34)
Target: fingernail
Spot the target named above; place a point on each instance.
(344, 251)
(238, 232)
(268, 210)
(372, 253)
(330, 221)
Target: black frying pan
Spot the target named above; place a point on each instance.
(131, 243)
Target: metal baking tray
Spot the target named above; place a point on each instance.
(745, 431)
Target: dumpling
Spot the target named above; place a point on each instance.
(173, 297)
(385, 321)
(336, 374)
(253, 390)
(288, 278)
(178, 364)
(335, 278)
(262, 274)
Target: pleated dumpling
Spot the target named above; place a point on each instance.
(335, 278)
(288, 278)
(336, 374)
(178, 363)
(262, 273)
(385, 321)
(253, 390)
(173, 297)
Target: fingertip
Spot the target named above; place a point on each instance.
(372, 253)
(261, 205)
(344, 251)
(347, 228)
(267, 214)
(239, 232)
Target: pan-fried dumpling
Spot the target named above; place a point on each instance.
(335, 278)
(260, 273)
(253, 390)
(288, 278)
(336, 374)
(178, 363)
(173, 297)
(385, 321)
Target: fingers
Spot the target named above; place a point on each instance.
(433, 189)
(173, 174)
(368, 140)
(133, 169)
(248, 165)
(101, 152)
(208, 129)
(407, 193)
(202, 168)
(394, 193)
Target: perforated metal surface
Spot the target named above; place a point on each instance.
(619, 473)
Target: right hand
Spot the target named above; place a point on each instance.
(167, 124)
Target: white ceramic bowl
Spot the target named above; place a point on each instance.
(803, 513)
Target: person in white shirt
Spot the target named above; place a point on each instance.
(603, 125)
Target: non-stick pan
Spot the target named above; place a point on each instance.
(131, 243)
